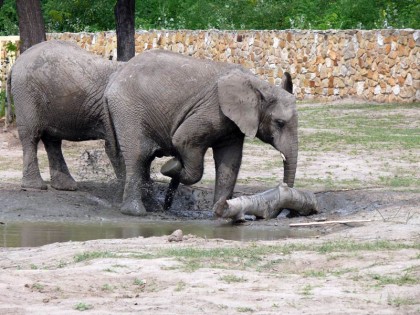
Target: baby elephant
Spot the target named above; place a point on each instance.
(167, 104)
(58, 91)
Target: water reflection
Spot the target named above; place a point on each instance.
(30, 234)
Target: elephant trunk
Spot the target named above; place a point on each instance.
(290, 163)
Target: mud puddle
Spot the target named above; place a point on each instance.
(30, 234)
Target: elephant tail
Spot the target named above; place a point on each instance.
(9, 110)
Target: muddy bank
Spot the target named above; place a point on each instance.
(96, 201)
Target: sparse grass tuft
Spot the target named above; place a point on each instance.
(83, 306)
(180, 286)
(307, 290)
(107, 287)
(405, 279)
(245, 310)
(93, 255)
(315, 273)
(232, 279)
(401, 301)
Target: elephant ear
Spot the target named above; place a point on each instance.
(286, 82)
(239, 101)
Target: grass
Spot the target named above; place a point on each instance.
(369, 127)
(139, 282)
(401, 301)
(232, 279)
(307, 290)
(37, 286)
(180, 286)
(244, 309)
(315, 273)
(400, 280)
(83, 306)
(107, 287)
(93, 255)
(369, 133)
(255, 257)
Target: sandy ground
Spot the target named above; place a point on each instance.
(356, 268)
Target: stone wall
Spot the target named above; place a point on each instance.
(377, 65)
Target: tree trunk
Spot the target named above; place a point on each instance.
(268, 204)
(31, 23)
(124, 16)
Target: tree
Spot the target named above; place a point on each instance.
(31, 23)
(78, 15)
(124, 16)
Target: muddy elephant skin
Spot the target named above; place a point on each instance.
(58, 92)
(167, 104)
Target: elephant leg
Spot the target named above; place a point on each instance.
(192, 157)
(138, 191)
(193, 165)
(227, 160)
(59, 172)
(116, 159)
(31, 176)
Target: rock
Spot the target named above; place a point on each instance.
(176, 236)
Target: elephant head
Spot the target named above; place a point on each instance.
(265, 111)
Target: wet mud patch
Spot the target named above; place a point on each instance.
(92, 212)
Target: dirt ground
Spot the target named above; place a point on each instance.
(370, 267)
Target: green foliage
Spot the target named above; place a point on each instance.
(8, 18)
(11, 47)
(78, 15)
(3, 103)
(92, 16)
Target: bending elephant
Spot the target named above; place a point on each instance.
(167, 104)
(58, 91)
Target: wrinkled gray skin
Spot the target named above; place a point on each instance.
(167, 104)
(58, 91)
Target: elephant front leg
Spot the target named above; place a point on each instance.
(190, 170)
(227, 160)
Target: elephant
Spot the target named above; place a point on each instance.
(166, 104)
(58, 92)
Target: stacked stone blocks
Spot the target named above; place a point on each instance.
(376, 65)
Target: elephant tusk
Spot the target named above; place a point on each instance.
(283, 157)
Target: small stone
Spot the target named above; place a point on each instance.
(176, 236)
(396, 89)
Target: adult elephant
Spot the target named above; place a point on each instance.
(58, 92)
(167, 104)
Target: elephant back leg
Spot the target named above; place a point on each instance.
(59, 172)
(31, 176)
(138, 191)
(30, 131)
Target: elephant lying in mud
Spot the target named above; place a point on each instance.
(58, 91)
(167, 104)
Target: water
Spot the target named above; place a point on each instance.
(29, 234)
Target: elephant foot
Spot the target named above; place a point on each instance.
(63, 182)
(33, 184)
(134, 208)
(152, 204)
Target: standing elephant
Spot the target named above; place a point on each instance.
(167, 104)
(58, 91)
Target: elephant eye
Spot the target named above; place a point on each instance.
(280, 123)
